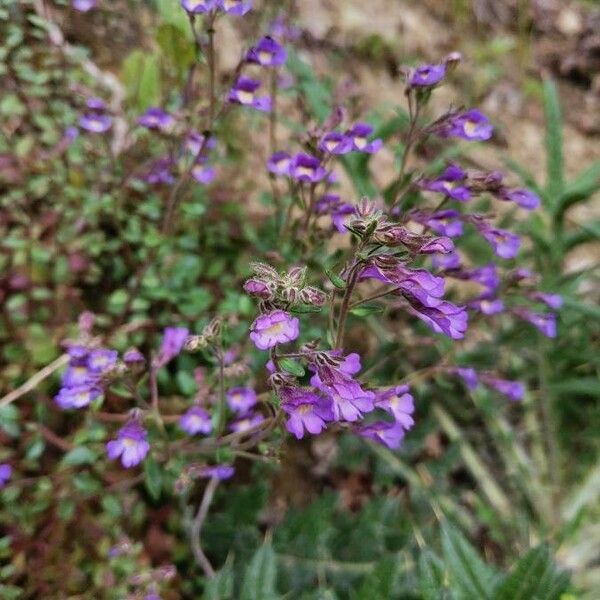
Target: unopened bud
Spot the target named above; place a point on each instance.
(312, 295)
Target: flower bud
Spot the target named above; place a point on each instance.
(297, 275)
(452, 61)
(264, 271)
(314, 296)
(258, 288)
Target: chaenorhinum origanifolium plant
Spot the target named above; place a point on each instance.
(337, 262)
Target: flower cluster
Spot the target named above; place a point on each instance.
(86, 375)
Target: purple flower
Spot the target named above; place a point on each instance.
(446, 262)
(486, 276)
(243, 92)
(279, 163)
(133, 356)
(398, 401)
(468, 375)
(471, 125)
(307, 168)
(77, 354)
(235, 7)
(487, 306)
(220, 472)
(5, 474)
(267, 53)
(83, 5)
(335, 142)
(199, 6)
(76, 397)
(246, 423)
(359, 135)
(333, 377)
(513, 390)
(349, 365)
(77, 375)
(504, 243)
(427, 75)
(442, 222)
(387, 434)
(196, 142)
(339, 211)
(349, 401)
(157, 119)
(131, 445)
(522, 197)
(444, 317)
(306, 411)
(544, 322)
(440, 245)
(241, 399)
(95, 122)
(203, 173)
(418, 283)
(160, 172)
(172, 344)
(101, 360)
(276, 327)
(196, 420)
(451, 183)
(553, 301)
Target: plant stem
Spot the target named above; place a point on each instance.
(352, 277)
(210, 30)
(220, 358)
(196, 528)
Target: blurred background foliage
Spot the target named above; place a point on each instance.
(467, 506)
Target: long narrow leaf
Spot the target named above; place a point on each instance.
(554, 143)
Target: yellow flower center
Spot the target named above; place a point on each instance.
(264, 56)
(305, 171)
(305, 408)
(470, 127)
(275, 329)
(83, 396)
(360, 142)
(245, 97)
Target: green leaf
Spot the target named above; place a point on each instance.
(260, 575)
(339, 283)
(431, 575)
(379, 585)
(292, 366)
(220, 587)
(469, 575)
(305, 308)
(81, 455)
(152, 477)
(589, 386)
(588, 232)
(583, 308)
(585, 184)
(367, 309)
(141, 76)
(315, 92)
(177, 47)
(554, 143)
(533, 577)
